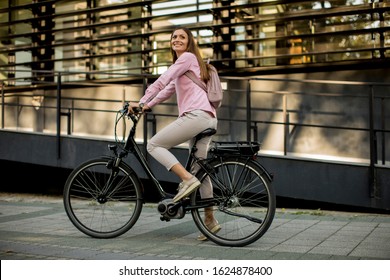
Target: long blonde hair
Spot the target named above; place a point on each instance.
(193, 48)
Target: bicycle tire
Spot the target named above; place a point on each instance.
(244, 203)
(93, 210)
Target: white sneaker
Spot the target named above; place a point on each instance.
(186, 188)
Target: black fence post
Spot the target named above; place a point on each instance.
(248, 112)
(373, 147)
(145, 121)
(58, 138)
(2, 105)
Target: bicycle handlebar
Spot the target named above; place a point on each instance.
(137, 110)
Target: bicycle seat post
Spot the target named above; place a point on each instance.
(204, 133)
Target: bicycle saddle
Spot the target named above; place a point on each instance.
(205, 133)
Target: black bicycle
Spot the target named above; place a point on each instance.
(103, 197)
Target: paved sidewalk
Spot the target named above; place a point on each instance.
(37, 228)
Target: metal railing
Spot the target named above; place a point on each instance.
(244, 89)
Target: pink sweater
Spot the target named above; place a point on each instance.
(188, 94)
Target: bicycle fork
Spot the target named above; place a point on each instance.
(107, 188)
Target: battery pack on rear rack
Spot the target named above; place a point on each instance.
(242, 148)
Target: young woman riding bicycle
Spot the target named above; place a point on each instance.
(195, 115)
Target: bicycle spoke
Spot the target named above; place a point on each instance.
(85, 180)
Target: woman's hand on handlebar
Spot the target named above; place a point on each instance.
(134, 105)
(130, 108)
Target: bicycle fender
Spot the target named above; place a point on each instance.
(269, 175)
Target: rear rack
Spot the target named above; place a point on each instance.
(242, 148)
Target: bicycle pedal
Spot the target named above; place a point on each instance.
(162, 218)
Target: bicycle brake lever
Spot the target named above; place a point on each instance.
(123, 111)
(125, 108)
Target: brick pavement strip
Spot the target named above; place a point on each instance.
(37, 228)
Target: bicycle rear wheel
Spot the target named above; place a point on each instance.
(244, 202)
(102, 201)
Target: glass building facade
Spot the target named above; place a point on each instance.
(110, 39)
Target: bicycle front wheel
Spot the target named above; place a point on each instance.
(243, 204)
(103, 201)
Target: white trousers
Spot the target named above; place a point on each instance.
(183, 129)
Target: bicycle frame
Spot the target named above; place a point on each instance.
(131, 146)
